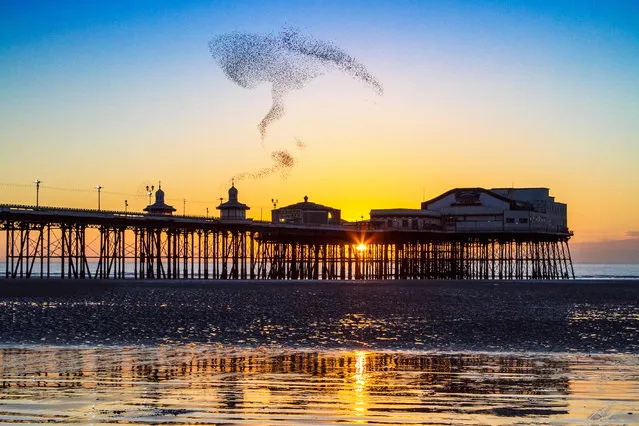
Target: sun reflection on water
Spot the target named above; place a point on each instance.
(360, 382)
(196, 384)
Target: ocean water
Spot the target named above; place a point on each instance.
(582, 270)
(606, 270)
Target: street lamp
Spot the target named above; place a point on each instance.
(99, 187)
(37, 182)
(149, 192)
(274, 201)
(126, 206)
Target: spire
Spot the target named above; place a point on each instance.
(159, 196)
(233, 192)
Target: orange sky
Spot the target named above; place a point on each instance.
(482, 95)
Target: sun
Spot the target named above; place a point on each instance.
(361, 247)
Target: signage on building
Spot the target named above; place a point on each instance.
(467, 198)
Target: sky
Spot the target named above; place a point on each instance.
(125, 94)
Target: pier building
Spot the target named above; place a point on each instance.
(233, 209)
(480, 210)
(306, 213)
(465, 233)
(159, 207)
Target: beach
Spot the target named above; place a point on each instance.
(393, 352)
(563, 316)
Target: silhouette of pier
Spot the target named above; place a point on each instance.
(96, 244)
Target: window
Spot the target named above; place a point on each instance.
(510, 220)
(523, 220)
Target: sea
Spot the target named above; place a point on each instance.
(322, 353)
(596, 271)
(587, 271)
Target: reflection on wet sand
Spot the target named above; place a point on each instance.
(212, 384)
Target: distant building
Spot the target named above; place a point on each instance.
(159, 207)
(306, 213)
(233, 209)
(479, 209)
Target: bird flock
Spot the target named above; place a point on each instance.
(282, 161)
(287, 60)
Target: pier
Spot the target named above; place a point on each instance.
(48, 242)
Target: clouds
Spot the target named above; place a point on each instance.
(609, 251)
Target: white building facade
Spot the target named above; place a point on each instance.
(480, 210)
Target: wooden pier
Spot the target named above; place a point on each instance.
(88, 244)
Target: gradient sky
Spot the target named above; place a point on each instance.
(492, 94)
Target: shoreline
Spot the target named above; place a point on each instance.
(162, 282)
(59, 287)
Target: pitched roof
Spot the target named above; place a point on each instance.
(306, 205)
(159, 207)
(486, 191)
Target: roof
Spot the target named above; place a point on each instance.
(159, 207)
(485, 191)
(519, 189)
(306, 205)
(233, 205)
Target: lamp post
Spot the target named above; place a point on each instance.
(149, 192)
(207, 212)
(274, 201)
(99, 188)
(37, 182)
(126, 206)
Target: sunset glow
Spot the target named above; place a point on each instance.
(475, 94)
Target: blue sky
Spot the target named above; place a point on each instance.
(477, 93)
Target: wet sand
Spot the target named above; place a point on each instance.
(575, 316)
(405, 352)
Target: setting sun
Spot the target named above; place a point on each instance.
(361, 247)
